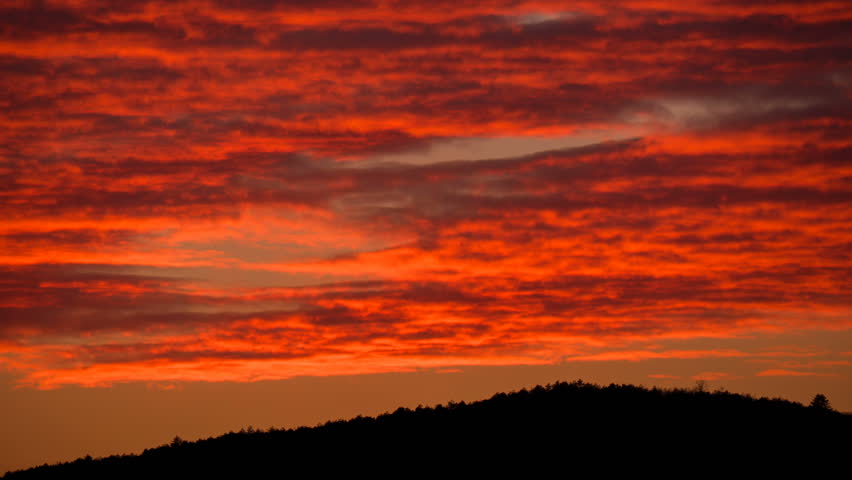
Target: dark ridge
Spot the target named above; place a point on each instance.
(560, 427)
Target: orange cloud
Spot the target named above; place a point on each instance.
(217, 190)
(777, 372)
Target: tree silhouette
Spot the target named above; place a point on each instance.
(585, 422)
(820, 402)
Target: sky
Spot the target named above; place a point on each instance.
(221, 213)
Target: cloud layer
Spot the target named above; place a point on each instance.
(217, 191)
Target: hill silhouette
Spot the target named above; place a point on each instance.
(561, 427)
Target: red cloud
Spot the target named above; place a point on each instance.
(211, 193)
(777, 372)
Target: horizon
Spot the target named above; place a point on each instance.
(576, 392)
(220, 213)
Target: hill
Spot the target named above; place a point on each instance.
(554, 427)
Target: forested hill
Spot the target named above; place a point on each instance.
(547, 427)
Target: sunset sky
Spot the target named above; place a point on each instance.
(222, 213)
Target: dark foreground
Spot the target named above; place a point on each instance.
(562, 428)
